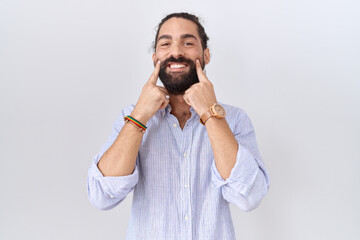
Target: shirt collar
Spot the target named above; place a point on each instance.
(165, 111)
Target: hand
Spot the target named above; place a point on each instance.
(152, 98)
(201, 95)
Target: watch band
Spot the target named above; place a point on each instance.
(208, 114)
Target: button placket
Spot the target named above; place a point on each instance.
(187, 134)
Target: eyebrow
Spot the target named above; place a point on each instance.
(182, 36)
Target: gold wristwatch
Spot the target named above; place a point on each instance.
(215, 110)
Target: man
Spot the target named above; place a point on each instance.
(176, 149)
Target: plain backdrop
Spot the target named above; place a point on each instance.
(68, 67)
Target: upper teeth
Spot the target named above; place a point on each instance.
(177, 66)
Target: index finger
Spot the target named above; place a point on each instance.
(201, 75)
(154, 76)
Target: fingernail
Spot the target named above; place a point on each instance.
(158, 62)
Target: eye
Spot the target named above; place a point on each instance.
(188, 44)
(164, 44)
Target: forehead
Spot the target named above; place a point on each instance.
(176, 27)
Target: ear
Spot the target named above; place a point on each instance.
(207, 55)
(153, 58)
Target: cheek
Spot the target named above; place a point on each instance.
(197, 55)
(160, 55)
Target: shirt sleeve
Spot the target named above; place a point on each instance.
(107, 192)
(248, 182)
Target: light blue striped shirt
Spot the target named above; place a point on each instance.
(178, 191)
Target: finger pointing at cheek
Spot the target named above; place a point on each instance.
(154, 76)
(201, 75)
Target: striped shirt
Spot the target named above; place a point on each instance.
(178, 191)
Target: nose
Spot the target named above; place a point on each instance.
(177, 51)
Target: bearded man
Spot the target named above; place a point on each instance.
(185, 156)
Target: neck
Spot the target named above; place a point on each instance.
(180, 109)
(178, 104)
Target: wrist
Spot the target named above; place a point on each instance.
(203, 110)
(205, 107)
(141, 117)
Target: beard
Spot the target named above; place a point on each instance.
(177, 83)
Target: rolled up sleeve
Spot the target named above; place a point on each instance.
(107, 192)
(248, 182)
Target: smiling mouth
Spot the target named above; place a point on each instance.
(175, 67)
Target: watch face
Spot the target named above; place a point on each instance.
(220, 110)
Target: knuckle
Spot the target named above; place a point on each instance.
(158, 93)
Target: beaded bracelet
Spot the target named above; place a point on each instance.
(132, 120)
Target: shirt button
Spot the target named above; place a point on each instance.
(175, 125)
(186, 218)
(186, 185)
(185, 154)
(111, 196)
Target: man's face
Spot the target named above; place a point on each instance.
(178, 46)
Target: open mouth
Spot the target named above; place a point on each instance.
(177, 67)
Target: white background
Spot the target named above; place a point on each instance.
(68, 67)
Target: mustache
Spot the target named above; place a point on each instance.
(177, 60)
